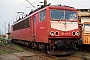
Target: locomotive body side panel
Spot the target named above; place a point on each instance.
(24, 33)
(41, 27)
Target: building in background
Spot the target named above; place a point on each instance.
(84, 24)
(84, 15)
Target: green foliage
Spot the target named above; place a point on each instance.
(1, 38)
(5, 51)
(9, 39)
(2, 42)
(8, 51)
(20, 48)
(2, 52)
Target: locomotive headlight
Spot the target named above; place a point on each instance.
(77, 33)
(52, 33)
(73, 33)
(56, 33)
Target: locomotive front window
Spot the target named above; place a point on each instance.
(70, 15)
(57, 14)
(63, 15)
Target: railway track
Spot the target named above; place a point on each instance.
(4, 46)
(9, 49)
(38, 55)
(50, 57)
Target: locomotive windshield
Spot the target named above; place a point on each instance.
(63, 15)
(57, 14)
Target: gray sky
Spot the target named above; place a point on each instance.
(9, 8)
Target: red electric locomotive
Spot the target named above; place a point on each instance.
(50, 28)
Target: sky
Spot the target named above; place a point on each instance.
(9, 8)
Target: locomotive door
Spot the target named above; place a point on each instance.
(34, 28)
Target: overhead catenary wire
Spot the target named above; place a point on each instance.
(15, 12)
(31, 4)
(1, 1)
(4, 3)
(13, 17)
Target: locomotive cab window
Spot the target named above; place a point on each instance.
(70, 15)
(63, 15)
(57, 14)
(34, 19)
(42, 15)
(13, 27)
(27, 22)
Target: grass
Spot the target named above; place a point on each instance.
(7, 51)
(20, 48)
(2, 41)
(1, 38)
(4, 51)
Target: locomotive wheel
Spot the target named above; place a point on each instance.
(59, 43)
(73, 46)
(47, 48)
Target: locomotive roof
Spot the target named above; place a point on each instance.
(42, 8)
